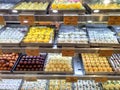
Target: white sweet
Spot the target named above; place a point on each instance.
(11, 35)
(73, 37)
(35, 85)
(10, 84)
(102, 36)
(6, 6)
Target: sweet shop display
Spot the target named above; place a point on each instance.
(70, 34)
(35, 85)
(67, 5)
(12, 34)
(39, 35)
(111, 85)
(57, 84)
(7, 61)
(10, 84)
(115, 62)
(57, 63)
(87, 85)
(94, 64)
(102, 36)
(31, 63)
(6, 5)
(105, 6)
(32, 6)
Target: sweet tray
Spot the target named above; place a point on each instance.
(96, 73)
(89, 27)
(64, 11)
(46, 88)
(13, 26)
(102, 10)
(32, 11)
(44, 55)
(5, 71)
(50, 44)
(64, 29)
(52, 72)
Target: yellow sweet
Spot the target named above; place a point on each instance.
(66, 5)
(94, 63)
(32, 6)
(105, 6)
(39, 35)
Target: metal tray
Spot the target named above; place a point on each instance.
(71, 44)
(32, 11)
(116, 72)
(60, 72)
(27, 72)
(80, 11)
(9, 72)
(60, 85)
(97, 73)
(13, 26)
(50, 44)
(101, 10)
(30, 81)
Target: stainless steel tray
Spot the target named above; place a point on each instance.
(9, 72)
(27, 72)
(97, 73)
(31, 11)
(13, 44)
(50, 44)
(60, 72)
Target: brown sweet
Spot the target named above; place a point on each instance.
(7, 61)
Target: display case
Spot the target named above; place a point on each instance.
(50, 55)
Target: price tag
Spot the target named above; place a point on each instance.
(2, 20)
(101, 79)
(114, 20)
(68, 52)
(32, 51)
(27, 19)
(70, 19)
(71, 79)
(30, 78)
(105, 52)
